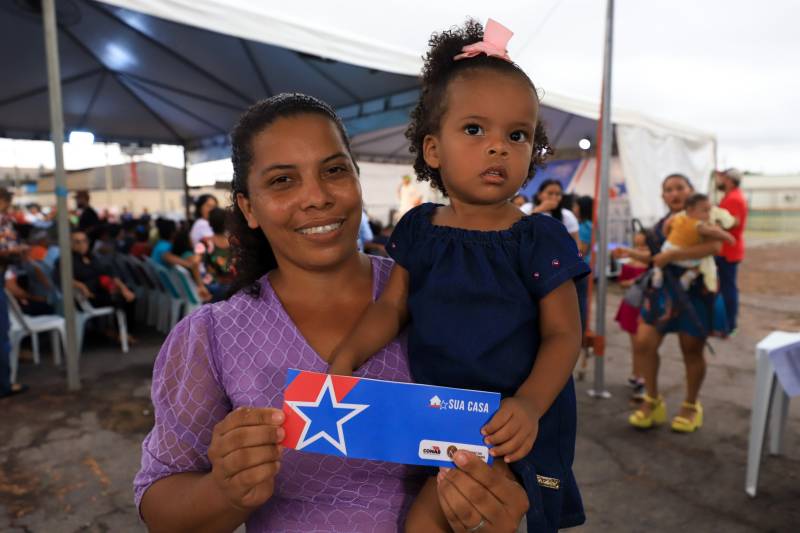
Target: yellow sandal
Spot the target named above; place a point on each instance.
(681, 424)
(656, 417)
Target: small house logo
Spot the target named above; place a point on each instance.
(436, 402)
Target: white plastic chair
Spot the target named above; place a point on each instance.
(23, 325)
(770, 403)
(89, 312)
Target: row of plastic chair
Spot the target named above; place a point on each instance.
(165, 295)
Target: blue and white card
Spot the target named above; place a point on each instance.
(384, 420)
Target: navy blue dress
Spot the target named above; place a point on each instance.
(662, 307)
(473, 301)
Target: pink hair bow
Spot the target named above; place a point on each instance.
(495, 39)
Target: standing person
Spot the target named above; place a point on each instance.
(548, 202)
(201, 229)
(584, 209)
(218, 379)
(663, 312)
(628, 316)
(408, 196)
(489, 293)
(728, 181)
(87, 216)
(9, 250)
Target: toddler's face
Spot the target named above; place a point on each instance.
(484, 144)
(700, 211)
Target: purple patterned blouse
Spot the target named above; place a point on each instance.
(236, 353)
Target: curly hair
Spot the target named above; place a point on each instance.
(250, 250)
(438, 71)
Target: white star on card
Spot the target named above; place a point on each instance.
(338, 442)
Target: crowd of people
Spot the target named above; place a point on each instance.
(31, 259)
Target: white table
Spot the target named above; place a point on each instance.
(770, 401)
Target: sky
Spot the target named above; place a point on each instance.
(729, 67)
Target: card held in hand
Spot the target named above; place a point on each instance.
(384, 420)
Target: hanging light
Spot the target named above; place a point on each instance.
(81, 137)
(584, 144)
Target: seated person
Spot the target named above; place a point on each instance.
(141, 247)
(30, 303)
(90, 278)
(688, 228)
(166, 253)
(216, 255)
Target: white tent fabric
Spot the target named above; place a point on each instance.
(640, 147)
(649, 149)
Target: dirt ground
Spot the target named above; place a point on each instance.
(67, 459)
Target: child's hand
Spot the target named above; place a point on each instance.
(340, 367)
(621, 252)
(512, 430)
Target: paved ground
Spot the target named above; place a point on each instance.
(66, 460)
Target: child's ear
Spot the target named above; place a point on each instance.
(430, 151)
(247, 210)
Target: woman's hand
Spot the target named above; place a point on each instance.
(127, 294)
(662, 259)
(203, 293)
(245, 455)
(621, 252)
(475, 493)
(84, 290)
(546, 206)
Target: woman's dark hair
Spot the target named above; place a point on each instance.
(200, 202)
(216, 219)
(438, 71)
(585, 207)
(555, 213)
(181, 243)
(680, 177)
(251, 252)
(166, 228)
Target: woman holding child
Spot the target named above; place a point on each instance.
(694, 318)
(212, 461)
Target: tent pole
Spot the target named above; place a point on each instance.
(186, 196)
(599, 388)
(64, 244)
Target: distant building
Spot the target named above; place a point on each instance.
(765, 192)
(135, 186)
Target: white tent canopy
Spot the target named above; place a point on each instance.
(367, 35)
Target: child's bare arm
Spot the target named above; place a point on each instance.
(711, 231)
(381, 322)
(513, 429)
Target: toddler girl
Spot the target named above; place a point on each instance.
(488, 292)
